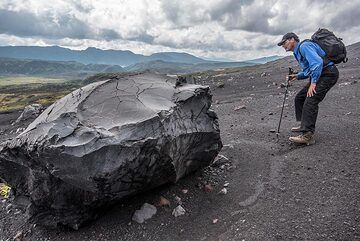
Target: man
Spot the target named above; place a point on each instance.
(322, 76)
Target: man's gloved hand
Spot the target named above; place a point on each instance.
(291, 77)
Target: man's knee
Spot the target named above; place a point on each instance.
(311, 103)
(299, 98)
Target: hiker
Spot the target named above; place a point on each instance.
(322, 76)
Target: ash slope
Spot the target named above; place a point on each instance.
(277, 191)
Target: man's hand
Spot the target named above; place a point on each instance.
(311, 90)
(291, 77)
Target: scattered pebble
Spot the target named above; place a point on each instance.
(164, 202)
(220, 85)
(228, 146)
(280, 106)
(344, 84)
(178, 211)
(220, 160)
(215, 220)
(146, 212)
(208, 188)
(18, 236)
(178, 200)
(223, 191)
(240, 107)
(185, 191)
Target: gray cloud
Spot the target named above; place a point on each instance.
(109, 34)
(231, 7)
(217, 44)
(346, 18)
(81, 7)
(27, 24)
(199, 25)
(142, 37)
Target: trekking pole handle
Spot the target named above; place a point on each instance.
(291, 71)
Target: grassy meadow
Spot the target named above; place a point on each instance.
(18, 91)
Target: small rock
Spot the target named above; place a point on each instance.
(263, 74)
(18, 130)
(282, 85)
(208, 188)
(220, 85)
(228, 146)
(178, 200)
(164, 202)
(344, 84)
(272, 130)
(219, 160)
(223, 191)
(30, 111)
(280, 106)
(18, 236)
(226, 184)
(146, 212)
(185, 191)
(271, 113)
(178, 211)
(215, 220)
(240, 107)
(17, 212)
(8, 207)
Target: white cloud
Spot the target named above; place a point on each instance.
(237, 29)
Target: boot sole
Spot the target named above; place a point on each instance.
(311, 142)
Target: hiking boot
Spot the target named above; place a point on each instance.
(296, 129)
(307, 138)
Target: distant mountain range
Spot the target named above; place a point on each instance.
(9, 66)
(58, 61)
(12, 66)
(94, 55)
(109, 57)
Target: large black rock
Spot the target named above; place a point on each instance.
(108, 140)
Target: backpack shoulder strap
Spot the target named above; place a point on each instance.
(325, 59)
(305, 40)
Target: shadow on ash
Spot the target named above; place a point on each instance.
(108, 140)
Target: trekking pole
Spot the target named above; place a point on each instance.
(283, 105)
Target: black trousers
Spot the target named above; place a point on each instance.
(307, 108)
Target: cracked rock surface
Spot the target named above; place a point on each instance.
(108, 140)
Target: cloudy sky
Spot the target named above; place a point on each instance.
(234, 29)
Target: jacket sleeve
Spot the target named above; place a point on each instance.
(314, 60)
(301, 75)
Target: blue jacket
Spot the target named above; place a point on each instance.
(310, 60)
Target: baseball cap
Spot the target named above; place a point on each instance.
(288, 36)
